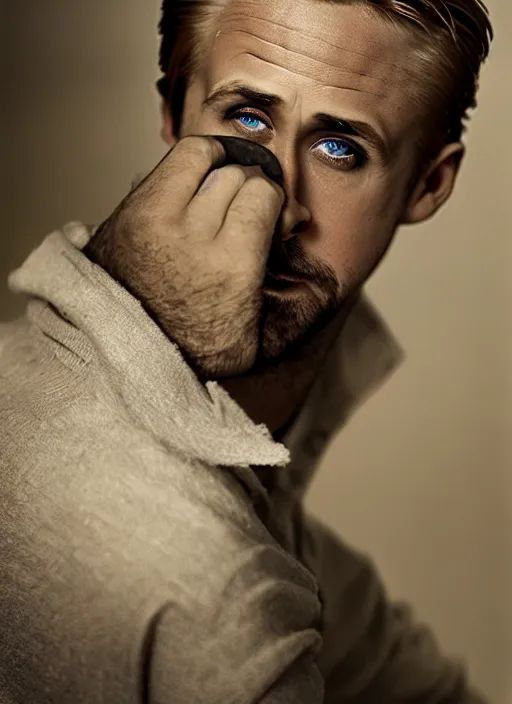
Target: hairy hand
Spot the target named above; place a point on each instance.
(194, 252)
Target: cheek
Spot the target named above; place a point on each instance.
(354, 230)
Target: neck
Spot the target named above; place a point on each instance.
(276, 395)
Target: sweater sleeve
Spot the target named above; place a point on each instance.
(255, 642)
(373, 651)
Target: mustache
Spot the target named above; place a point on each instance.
(287, 258)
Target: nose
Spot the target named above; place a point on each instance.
(293, 215)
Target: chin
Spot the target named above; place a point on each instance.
(287, 324)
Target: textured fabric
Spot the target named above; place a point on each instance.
(142, 560)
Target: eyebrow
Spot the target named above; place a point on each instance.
(321, 120)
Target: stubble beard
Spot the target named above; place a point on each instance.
(286, 324)
(289, 324)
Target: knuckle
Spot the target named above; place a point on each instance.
(273, 190)
(269, 188)
(256, 175)
(195, 147)
(135, 219)
(235, 173)
(253, 170)
(247, 216)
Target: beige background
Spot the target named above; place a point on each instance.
(421, 477)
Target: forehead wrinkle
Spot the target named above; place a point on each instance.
(301, 75)
(339, 71)
(322, 88)
(386, 65)
(374, 120)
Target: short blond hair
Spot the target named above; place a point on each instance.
(453, 41)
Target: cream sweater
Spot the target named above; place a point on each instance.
(141, 560)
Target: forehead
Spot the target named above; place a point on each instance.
(342, 53)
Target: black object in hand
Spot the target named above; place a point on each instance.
(247, 153)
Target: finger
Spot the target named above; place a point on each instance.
(207, 211)
(251, 219)
(176, 179)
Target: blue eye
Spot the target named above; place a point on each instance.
(337, 152)
(338, 149)
(248, 121)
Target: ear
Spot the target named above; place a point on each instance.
(167, 129)
(435, 185)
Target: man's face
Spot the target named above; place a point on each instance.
(345, 185)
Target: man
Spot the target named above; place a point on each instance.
(165, 398)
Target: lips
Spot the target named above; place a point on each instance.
(281, 277)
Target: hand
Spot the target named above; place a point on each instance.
(195, 255)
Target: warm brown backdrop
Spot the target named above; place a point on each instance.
(421, 477)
